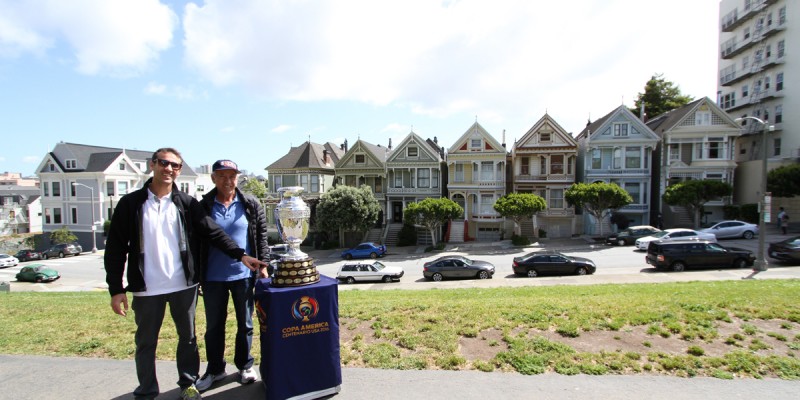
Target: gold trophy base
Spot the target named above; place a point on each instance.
(295, 273)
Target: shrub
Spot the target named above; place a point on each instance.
(731, 212)
(749, 213)
(542, 233)
(520, 240)
(407, 236)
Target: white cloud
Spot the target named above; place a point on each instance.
(281, 128)
(491, 59)
(176, 91)
(118, 37)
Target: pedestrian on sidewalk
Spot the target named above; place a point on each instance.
(155, 231)
(784, 223)
(781, 213)
(243, 219)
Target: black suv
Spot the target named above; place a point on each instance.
(677, 255)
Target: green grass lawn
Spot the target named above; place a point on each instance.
(724, 329)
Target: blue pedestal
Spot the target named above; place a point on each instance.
(299, 330)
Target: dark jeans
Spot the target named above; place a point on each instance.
(215, 298)
(149, 315)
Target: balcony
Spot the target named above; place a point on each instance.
(545, 178)
(635, 208)
(494, 217)
(754, 99)
(734, 19)
(405, 190)
(732, 47)
(617, 171)
(561, 212)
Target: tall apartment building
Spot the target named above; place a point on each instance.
(759, 44)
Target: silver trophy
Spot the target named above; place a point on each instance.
(291, 217)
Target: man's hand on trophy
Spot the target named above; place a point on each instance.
(253, 263)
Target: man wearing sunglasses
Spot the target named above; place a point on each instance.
(157, 231)
(243, 219)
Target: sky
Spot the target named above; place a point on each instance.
(247, 80)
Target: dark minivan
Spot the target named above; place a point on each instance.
(678, 255)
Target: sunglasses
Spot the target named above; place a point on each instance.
(166, 163)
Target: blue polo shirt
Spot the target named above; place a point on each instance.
(232, 219)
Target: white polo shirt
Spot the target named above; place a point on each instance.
(163, 268)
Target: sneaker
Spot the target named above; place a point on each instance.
(190, 393)
(248, 375)
(208, 379)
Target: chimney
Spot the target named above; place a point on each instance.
(641, 113)
(504, 138)
(326, 157)
(435, 140)
(390, 143)
(345, 145)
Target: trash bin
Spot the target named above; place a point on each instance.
(5, 286)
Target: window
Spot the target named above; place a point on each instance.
(556, 198)
(674, 152)
(745, 91)
(304, 182)
(315, 184)
(729, 100)
(47, 216)
(72, 189)
(52, 167)
(779, 81)
(544, 137)
(633, 189)
(110, 186)
(435, 178)
(139, 166)
(557, 164)
(459, 173)
(570, 161)
(596, 160)
(769, 20)
(759, 55)
(487, 171)
(487, 201)
(423, 178)
(73, 215)
(524, 161)
(782, 15)
(398, 178)
(71, 164)
(475, 144)
(201, 188)
(412, 152)
(778, 113)
(184, 187)
(745, 63)
(277, 182)
(56, 189)
(702, 118)
(621, 129)
(122, 187)
(46, 189)
(542, 165)
(776, 149)
(57, 216)
(633, 157)
(122, 166)
(769, 51)
(766, 83)
(747, 33)
(361, 159)
(715, 149)
(617, 158)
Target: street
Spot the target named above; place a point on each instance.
(614, 265)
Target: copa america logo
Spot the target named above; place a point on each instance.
(305, 308)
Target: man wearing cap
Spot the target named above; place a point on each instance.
(243, 219)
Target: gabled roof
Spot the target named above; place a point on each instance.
(544, 123)
(462, 143)
(89, 158)
(377, 153)
(429, 147)
(674, 118)
(308, 156)
(598, 128)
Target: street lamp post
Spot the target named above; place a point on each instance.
(94, 223)
(761, 260)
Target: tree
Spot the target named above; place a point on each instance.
(660, 96)
(519, 206)
(254, 187)
(784, 181)
(432, 213)
(693, 194)
(598, 199)
(62, 235)
(345, 208)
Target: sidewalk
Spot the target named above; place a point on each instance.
(48, 378)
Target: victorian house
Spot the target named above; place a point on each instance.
(697, 143)
(414, 172)
(618, 148)
(544, 163)
(310, 165)
(476, 165)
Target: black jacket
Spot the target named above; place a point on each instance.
(124, 245)
(256, 227)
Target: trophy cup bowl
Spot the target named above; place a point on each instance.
(292, 214)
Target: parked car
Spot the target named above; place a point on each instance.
(552, 263)
(369, 271)
(8, 261)
(678, 255)
(61, 250)
(732, 229)
(37, 273)
(455, 266)
(28, 255)
(786, 250)
(672, 234)
(364, 250)
(628, 236)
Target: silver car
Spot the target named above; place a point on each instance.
(671, 234)
(732, 229)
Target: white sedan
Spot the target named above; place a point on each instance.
(732, 229)
(8, 261)
(672, 234)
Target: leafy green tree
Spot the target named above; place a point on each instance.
(519, 206)
(345, 208)
(693, 194)
(432, 214)
(62, 235)
(660, 96)
(255, 187)
(598, 199)
(784, 181)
